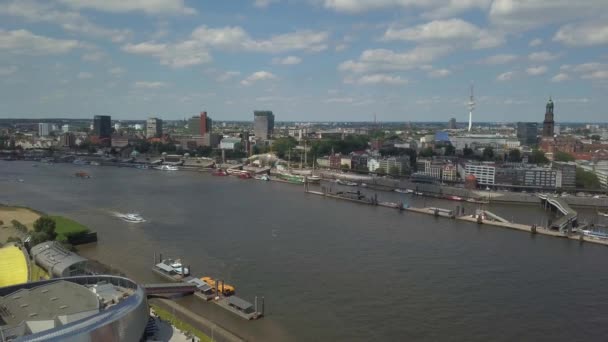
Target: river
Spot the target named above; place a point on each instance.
(332, 270)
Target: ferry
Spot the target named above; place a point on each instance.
(167, 168)
(263, 178)
(225, 289)
(173, 266)
(130, 217)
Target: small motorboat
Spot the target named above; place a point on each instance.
(265, 178)
(167, 168)
(82, 174)
(130, 217)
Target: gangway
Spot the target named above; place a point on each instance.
(492, 216)
(169, 288)
(569, 215)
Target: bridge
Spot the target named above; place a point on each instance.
(569, 215)
(169, 288)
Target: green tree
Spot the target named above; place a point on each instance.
(595, 137)
(586, 179)
(427, 152)
(468, 152)
(345, 166)
(537, 157)
(514, 156)
(450, 150)
(394, 171)
(282, 146)
(46, 225)
(563, 156)
(13, 239)
(488, 153)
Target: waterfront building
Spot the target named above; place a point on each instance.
(200, 125)
(527, 133)
(484, 172)
(478, 142)
(67, 140)
(14, 265)
(345, 162)
(568, 173)
(102, 126)
(399, 164)
(154, 128)
(335, 161)
(191, 142)
(230, 144)
(44, 129)
(58, 261)
(85, 308)
(358, 162)
(323, 162)
(263, 124)
(65, 128)
(449, 173)
(372, 164)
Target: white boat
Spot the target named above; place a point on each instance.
(605, 214)
(94, 163)
(167, 168)
(404, 191)
(341, 182)
(177, 266)
(130, 217)
(80, 162)
(313, 179)
(262, 178)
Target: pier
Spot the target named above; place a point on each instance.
(569, 215)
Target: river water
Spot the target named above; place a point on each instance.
(332, 270)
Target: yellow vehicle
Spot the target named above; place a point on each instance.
(225, 289)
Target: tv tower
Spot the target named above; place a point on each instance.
(471, 108)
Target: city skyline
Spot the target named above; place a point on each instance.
(324, 60)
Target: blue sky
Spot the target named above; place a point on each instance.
(307, 60)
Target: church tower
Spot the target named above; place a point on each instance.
(548, 124)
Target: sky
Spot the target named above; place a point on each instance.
(306, 60)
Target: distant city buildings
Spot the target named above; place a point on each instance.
(154, 128)
(200, 125)
(67, 140)
(102, 129)
(44, 129)
(452, 123)
(263, 124)
(549, 123)
(484, 173)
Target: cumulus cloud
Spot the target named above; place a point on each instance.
(228, 75)
(149, 85)
(374, 79)
(258, 76)
(439, 73)
(264, 3)
(339, 100)
(432, 8)
(70, 21)
(536, 70)
(499, 59)
(560, 77)
(27, 43)
(586, 34)
(453, 31)
(93, 56)
(84, 75)
(289, 60)
(8, 70)
(116, 71)
(505, 76)
(535, 42)
(388, 60)
(183, 54)
(542, 56)
(125, 6)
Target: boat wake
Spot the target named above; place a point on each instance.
(129, 217)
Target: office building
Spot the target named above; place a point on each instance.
(568, 173)
(65, 128)
(395, 165)
(263, 124)
(527, 133)
(452, 123)
(67, 140)
(484, 173)
(44, 129)
(200, 125)
(102, 128)
(154, 128)
(549, 123)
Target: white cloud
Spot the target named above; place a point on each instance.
(499, 59)
(339, 100)
(596, 75)
(289, 60)
(116, 71)
(70, 21)
(536, 70)
(388, 60)
(433, 8)
(341, 47)
(521, 15)
(505, 76)
(453, 31)
(228, 75)
(264, 3)
(588, 71)
(439, 73)
(149, 85)
(183, 54)
(9, 70)
(535, 42)
(125, 6)
(84, 75)
(258, 76)
(560, 77)
(93, 56)
(25, 42)
(542, 56)
(378, 79)
(586, 34)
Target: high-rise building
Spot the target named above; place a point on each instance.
(263, 124)
(549, 123)
(67, 140)
(44, 129)
(65, 128)
(200, 125)
(527, 133)
(452, 123)
(102, 126)
(154, 128)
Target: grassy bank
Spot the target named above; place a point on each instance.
(65, 227)
(167, 316)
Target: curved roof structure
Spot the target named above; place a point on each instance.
(13, 266)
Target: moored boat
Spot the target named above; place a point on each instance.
(167, 168)
(262, 177)
(220, 172)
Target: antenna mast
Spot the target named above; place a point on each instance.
(471, 108)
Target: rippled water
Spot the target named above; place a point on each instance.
(333, 270)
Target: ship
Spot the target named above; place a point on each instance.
(167, 168)
(291, 178)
